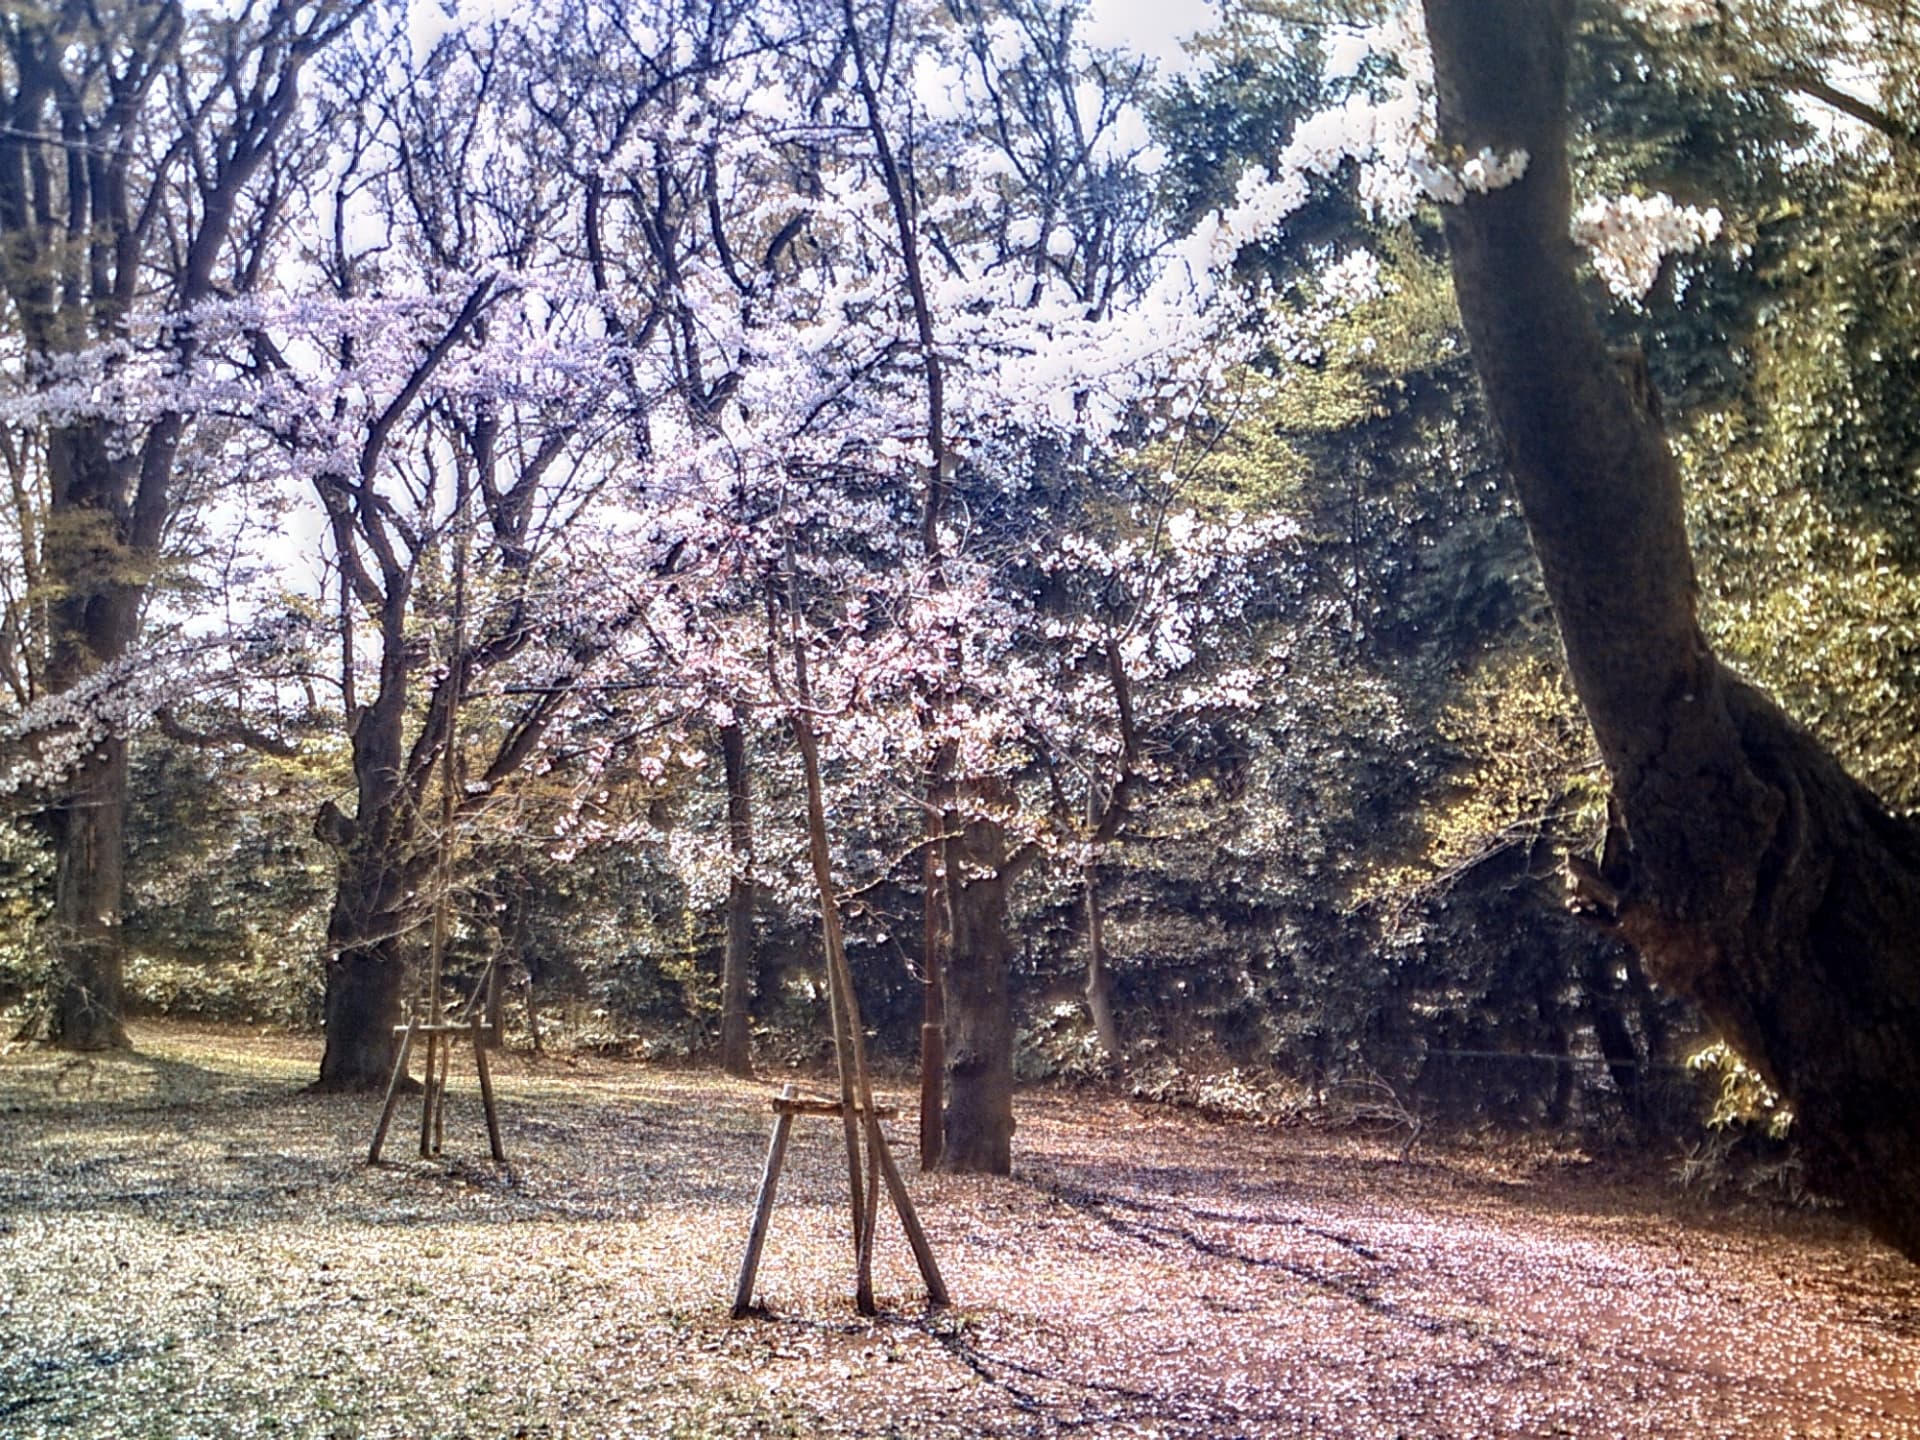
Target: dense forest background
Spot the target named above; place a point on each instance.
(452, 460)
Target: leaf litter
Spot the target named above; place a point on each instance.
(191, 1248)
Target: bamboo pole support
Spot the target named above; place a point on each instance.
(436, 1072)
(850, 1123)
(843, 1008)
(440, 1096)
(869, 1222)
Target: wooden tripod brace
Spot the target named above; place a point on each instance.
(869, 1160)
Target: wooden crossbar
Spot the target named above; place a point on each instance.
(440, 1037)
(821, 1105)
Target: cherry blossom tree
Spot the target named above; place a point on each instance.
(837, 293)
(444, 395)
(1055, 248)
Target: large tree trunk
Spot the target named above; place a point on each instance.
(979, 1020)
(1749, 869)
(365, 987)
(366, 969)
(374, 906)
(89, 844)
(736, 971)
(94, 553)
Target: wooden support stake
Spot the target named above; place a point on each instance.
(426, 1094)
(857, 1115)
(850, 1124)
(843, 1009)
(808, 1105)
(486, 1092)
(393, 1092)
(440, 1038)
(763, 1208)
(909, 1219)
(440, 1097)
(863, 1284)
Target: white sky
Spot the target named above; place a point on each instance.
(1151, 27)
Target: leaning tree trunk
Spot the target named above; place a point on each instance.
(979, 1023)
(1748, 868)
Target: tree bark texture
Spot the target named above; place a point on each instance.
(979, 1017)
(366, 970)
(97, 552)
(1747, 867)
(374, 907)
(365, 987)
(736, 969)
(88, 826)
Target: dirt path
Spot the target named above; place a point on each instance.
(188, 1248)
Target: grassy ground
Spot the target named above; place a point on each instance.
(190, 1247)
